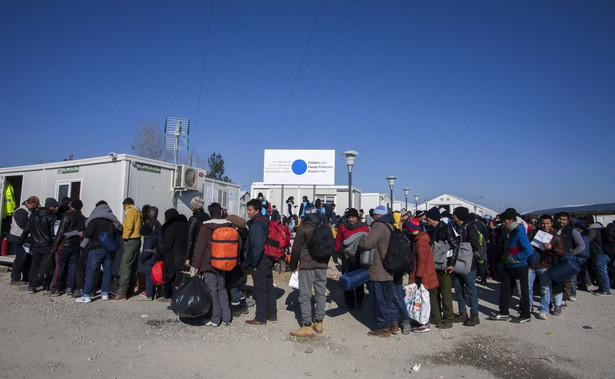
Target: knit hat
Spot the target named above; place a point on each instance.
(413, 225)
(433, 214)
(420, 214)
(352, 213)
(170, 213)
(462, 213)
(76, 204)
(51, 202)
(380, 210)
(197, 202)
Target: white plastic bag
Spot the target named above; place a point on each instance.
(294, 280)
(417, 302)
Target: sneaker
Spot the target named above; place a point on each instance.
(56, 294)
(142, 297)
(211, 323)
(405, 328)
(394, 328)
(47, 293)
(31, 290)
(601, 293)
(445, 325)
(69, 292)
(421, 329)
(226, 323)
(499, 317)
(104, 297)
(521, 320)
(84, 300)
(542, 315)
(557, 311)
(572, 298)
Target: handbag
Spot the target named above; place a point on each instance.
(440, 250)
(463, 265)
(108, 243)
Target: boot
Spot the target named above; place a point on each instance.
(305, 331)
(473, 320)
(317, 325)
(384, 332)
(243, 306)
(121, 295)
(236, 310)
(394, 327)
(461, 317)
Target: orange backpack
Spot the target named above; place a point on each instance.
(224, 248)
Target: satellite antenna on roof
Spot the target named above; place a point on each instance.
(176, 131)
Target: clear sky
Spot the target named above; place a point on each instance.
(513, 101)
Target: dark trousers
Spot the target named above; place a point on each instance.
(508, 283)
(354, 297)
(264, 291)
(441, 299)
(385, 309)
(38, 254)
(21, 264)
(65, 268)
(82, 263)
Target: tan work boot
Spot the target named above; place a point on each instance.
(305, 331)
(383, 332)
(121, 295)
(317, 325)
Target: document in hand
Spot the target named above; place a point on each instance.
(540, 239)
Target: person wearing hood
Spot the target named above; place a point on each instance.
(174, 235)
(599, 257)
(132, 246)
(351, 225)
(194, 226)
(101, 220)
(214, 279)
(40, 229)
(380, 283)
(313, 274)
(517, 251)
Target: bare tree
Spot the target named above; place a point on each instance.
(148, 141)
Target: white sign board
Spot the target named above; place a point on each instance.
(299, 167)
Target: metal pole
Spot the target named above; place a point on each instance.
(349, 188)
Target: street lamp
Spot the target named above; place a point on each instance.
(406, 192)
(478, 198)
(350, 157)
(416, 202)
(391, 180)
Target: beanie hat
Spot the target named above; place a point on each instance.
(170, 213)
(352, 213)
(462, 213)
(413, 225)
(197, 202)
(51, 202)
(77, 204)
(433, 214)
(380, 210)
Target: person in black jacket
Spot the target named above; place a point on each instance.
(262, 266)
(148, 258)
(172, 249)
(68, 240)
(40, 231)
(194, 225)
(101, 220)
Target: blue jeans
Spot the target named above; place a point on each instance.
(401, 304)
(383, 295)
(149, 282)
(95, 258)
(545, 287)
(236, 295)
(601, 263)
(465, 285)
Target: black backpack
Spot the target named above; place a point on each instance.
(399, 257)
(322, 243)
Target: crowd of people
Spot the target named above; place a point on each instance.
(60, 251)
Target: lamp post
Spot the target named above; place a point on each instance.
(406, 192)
(416, 203)
(350, 157)
(425, 205)
(478, 198)
(391, 180)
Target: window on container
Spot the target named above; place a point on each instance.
(70, 189)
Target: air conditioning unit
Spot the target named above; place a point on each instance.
(186, 178)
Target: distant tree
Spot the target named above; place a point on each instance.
(148, 141)
(215, 163)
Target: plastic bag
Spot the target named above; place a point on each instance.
(417, 301)
(294, 280)
(157, 273)
(193, 300)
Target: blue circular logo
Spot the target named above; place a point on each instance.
(299, 167)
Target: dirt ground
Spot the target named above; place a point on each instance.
(45, 337)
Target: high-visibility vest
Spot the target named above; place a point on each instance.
(9, 201)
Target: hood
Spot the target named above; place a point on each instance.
(422, 236)
(387, 218)
(595, 225)
(215, 223)
(238, 222)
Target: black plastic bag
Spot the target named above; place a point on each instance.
(193, 300)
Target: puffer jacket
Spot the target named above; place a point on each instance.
(424, 266)
(72, 220)
(194, 226)
(40, 228)
(378, 239)
(300, 256)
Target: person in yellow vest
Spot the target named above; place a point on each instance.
(132, 245)
(9, 201)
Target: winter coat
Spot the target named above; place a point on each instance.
(255, 245)
(194, 226)
(424, 266)
(202, 251)
(149, 255)
(378, 239)
(174, 236)
(72, 220)
(101, 220)
(132, 223)
(300, 256)
(517, 248)
(346, 230)
(547, 257)
(40, 228)
(594, 232)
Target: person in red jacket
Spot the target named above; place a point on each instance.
(424, 268)
(351, 225)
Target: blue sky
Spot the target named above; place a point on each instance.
(510, 100)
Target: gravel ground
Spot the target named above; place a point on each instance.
(47, 337)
